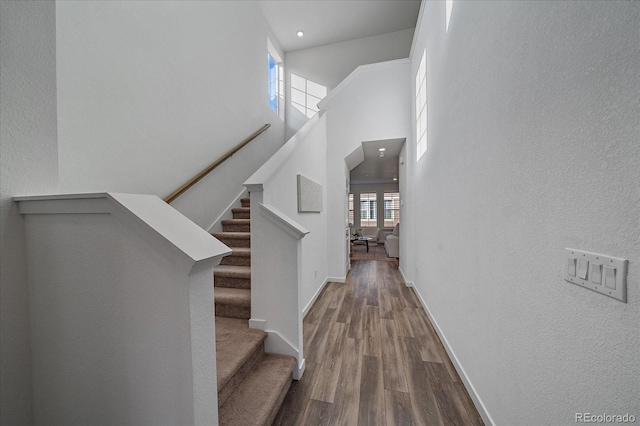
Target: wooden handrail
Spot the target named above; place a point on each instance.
(219, 161)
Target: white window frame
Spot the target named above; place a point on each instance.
(394, 208)
(421, 107)
(279, 83)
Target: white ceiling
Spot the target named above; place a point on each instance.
(332, 21)
(376, 169)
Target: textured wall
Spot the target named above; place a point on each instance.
(150, 93)
(533, 147)
(111, 326)
(29, 165)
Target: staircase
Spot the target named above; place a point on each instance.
(251, 383)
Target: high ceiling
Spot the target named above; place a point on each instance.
(332, 21)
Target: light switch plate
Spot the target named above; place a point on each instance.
(620, 266)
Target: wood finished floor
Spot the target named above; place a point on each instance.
(373, 358)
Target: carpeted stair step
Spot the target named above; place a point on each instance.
(232, 276)
(256, 401)
(238, 349)
(241, 213)
(241, 256)
(246, 202)
(232, 302)
(234, 239)
(236, 225)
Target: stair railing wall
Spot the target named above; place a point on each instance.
(276, 258)
(288, 246)
(121, 311)
(209, 192)
(182, 189)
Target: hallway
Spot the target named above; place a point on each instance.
(373, 358)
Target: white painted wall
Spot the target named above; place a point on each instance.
(277, 277)
(371, 104)
(121, 312)
(289, 248)
(304, 154)
(150, 93)
(307, 159)
(533, 147)
(330, 64)
(28, 165)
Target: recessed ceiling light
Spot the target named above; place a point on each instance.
(395, 178)
(382, 149)
(300, 33)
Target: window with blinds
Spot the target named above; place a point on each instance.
(351, 211)
(391, 209)
(368, 209)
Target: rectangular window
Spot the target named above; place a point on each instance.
(368, 210)
(351, 211)
(272, 68)
(391, 209)
(275, 80)
(421, 107)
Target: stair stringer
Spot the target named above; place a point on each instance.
(277, 344)
(216, 226)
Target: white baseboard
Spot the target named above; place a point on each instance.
(482, 409)
(404, 278)
(306, 309)
(327, 280)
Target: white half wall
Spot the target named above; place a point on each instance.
(308, 159)
(121, 311)
(28, 165)
(304, 154)
(328, 65)
(121, 361)
(532, 147)
(152, 92)
(371, 104)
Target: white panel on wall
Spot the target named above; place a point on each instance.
(309, 195)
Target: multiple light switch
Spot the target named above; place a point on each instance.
(598, 272)
(583, 265)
